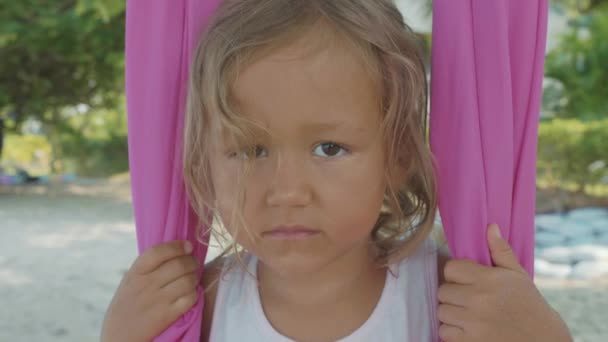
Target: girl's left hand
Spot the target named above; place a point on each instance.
(499, 304)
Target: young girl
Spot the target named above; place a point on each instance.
(305, 140)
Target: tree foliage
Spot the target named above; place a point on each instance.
(55, 54)
(579, 64)
(580, 6)
(62, 67)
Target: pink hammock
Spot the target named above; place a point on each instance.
(486, 84)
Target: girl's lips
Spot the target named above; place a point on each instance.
(290, 233)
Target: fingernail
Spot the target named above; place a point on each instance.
(496, 230)
(188, 247)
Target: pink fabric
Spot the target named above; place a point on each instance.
(487, 71)
(160, 39)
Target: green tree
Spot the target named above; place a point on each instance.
(55, 54)
(580, 6)
(579, 64)
(60, 54)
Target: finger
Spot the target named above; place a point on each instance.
(449, 333)
(154, 256)
(452, 315)
(167, 310)
(180, 287)
(174, 269)
(182, 293)
(184, 303)
(463, 271)
(500, 250)
(455, 294)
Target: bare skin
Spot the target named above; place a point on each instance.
(482, 320)
(159, 287)
(323, 167)
(213, 270)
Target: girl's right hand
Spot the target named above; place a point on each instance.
(159, 287)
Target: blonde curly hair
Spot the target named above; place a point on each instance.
(242, 30)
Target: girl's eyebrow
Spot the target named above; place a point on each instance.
(316, 127)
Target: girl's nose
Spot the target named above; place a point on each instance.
(289, 185)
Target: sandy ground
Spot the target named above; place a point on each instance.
(64, 249)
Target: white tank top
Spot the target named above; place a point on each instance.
(405, 311)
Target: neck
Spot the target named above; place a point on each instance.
(352, 275)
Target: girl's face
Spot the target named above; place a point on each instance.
(322, 167)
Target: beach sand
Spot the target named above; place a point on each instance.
(64, 250)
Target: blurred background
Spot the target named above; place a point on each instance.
(65, 206)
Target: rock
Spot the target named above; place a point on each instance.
(589, 270)
(549, 238)
(549, 221)
(561, 254)
(558, 255)
(602, 240)
(573, 241)
(588, 214)
(572, 255)
(544, 268)
(600, 226)
(590, 252)
(576, 230)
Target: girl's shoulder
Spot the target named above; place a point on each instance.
(429, 257)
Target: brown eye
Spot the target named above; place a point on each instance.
(251, 152)
(260, 151)
(329, 149)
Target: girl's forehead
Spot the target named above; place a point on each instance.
(322, 87)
